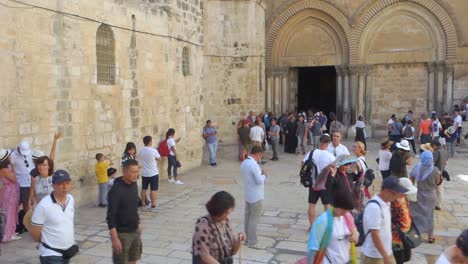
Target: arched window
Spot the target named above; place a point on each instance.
(185, 61)
(105, 55)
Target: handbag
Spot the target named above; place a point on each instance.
(412, 238)
(178, 164)
(66, 253)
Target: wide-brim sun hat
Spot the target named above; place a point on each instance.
(344, 159)
(404, 144)
(427, 146)
(25, 148)
(4, 153)
(451, 129)
(37, 154)
(405, 182)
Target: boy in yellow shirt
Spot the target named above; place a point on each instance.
(103, 163)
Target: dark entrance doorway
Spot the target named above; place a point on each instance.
(317, 89)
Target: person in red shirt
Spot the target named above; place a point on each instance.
(425, 129)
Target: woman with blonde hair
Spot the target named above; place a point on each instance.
(358, 149)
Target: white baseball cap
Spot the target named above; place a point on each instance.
(25, 148)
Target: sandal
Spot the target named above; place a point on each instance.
(431, 240)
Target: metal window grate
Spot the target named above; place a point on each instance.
(185, 61)
(105, 55)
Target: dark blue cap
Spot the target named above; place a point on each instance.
(393, 183)
(60, 176)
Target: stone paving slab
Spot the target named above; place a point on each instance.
(167, 235)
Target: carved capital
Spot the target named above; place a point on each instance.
(431, 67)
(440, 66)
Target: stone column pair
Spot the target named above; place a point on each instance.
(277, 92)
(440, 87)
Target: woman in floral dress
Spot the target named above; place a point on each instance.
(9, 196)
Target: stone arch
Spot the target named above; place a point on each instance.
(440, 14)
(274, 30)
(402, 33)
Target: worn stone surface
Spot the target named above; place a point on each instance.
(167, 235)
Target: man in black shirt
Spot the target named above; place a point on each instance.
(122, 215)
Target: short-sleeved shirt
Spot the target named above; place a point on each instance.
(171, 143)
(43, 187)
(322, 158)
(101, 171)
(425, 126)
(256, 133)
(397, 128)
(244, 135)
(147, 158)
(23, 166)
(213, 239)
(384, 159)
(209, 130)
(377, 218)
(301, 129)
(336, 126)
(339, 150)
(57, 224)
(275, 129)
(458, 121)
(316, 129)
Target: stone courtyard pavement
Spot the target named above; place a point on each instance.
(167, 235)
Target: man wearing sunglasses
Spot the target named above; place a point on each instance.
(21, 158)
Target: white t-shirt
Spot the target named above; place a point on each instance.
(339, 150)
(437, 125)
(373, 220)
(384, 160)
(458, 121)
(57, 224)
(147, 158)
(171, 143)
(338, 249)
(322, 158)
(256, 133)
(442, 259)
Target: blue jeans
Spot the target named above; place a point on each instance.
(172, 163)
(212, 149)
(53, 260)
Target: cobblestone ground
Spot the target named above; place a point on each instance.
(167, 234)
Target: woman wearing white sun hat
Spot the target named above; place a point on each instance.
(400, 158)
(401, 222)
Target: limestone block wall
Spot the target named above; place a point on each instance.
(460, 84)
(234, 63)
(48, 80)
(397, 88)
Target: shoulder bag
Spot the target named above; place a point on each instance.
(412, 238)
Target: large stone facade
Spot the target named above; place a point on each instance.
(390, 55)
(49, 78)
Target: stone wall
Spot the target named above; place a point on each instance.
(234, 67)
(396, 89)
(48, 80)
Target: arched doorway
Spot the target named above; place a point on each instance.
(304, 45)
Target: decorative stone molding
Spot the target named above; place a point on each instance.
(432, 6)
(274, 29)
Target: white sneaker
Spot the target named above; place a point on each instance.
(170, 180)
(179, 182)
(15, 237)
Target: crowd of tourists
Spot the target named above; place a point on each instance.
(383, 223)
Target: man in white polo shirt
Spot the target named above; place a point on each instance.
(336, 148)
(52, 222)
(377, 247)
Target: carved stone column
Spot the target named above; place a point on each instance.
(339, 92)
(346, 97)
(431, 67)
(354, 86)
(368, 99)
(279, 77)
(439, 96)
(449, 71)
(269, 95)
(360, 100)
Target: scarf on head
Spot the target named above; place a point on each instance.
(423, 169)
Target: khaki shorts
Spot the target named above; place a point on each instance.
(368, 260)
(131, 248)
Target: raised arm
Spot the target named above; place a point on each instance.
(57, 136)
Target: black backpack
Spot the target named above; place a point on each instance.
(369, 176)
(359, 223)
(308, 171)
(408, 132)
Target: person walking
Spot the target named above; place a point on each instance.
(53, 222)
(9, 196)
(333, 233)
(427, 176)
(290, 129)
(148, 157)
(254, 193)
(441, 157)
(244, 139)
(400, 159)
(122, 218)
(408, 134)
(274, 135)
(210, 134)
(457, 122)
(321, 158)
(316, 132)
(401, 222)
(450, 139)
(257, 134)
(335, 125)
(360, 131)
(377, 246)
(396, 128)
(301, 135)
(425, 129)
(384, 157)
(173, 158)
(213, 239)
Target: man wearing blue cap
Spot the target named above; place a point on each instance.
(52, 222)
(377, 247)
